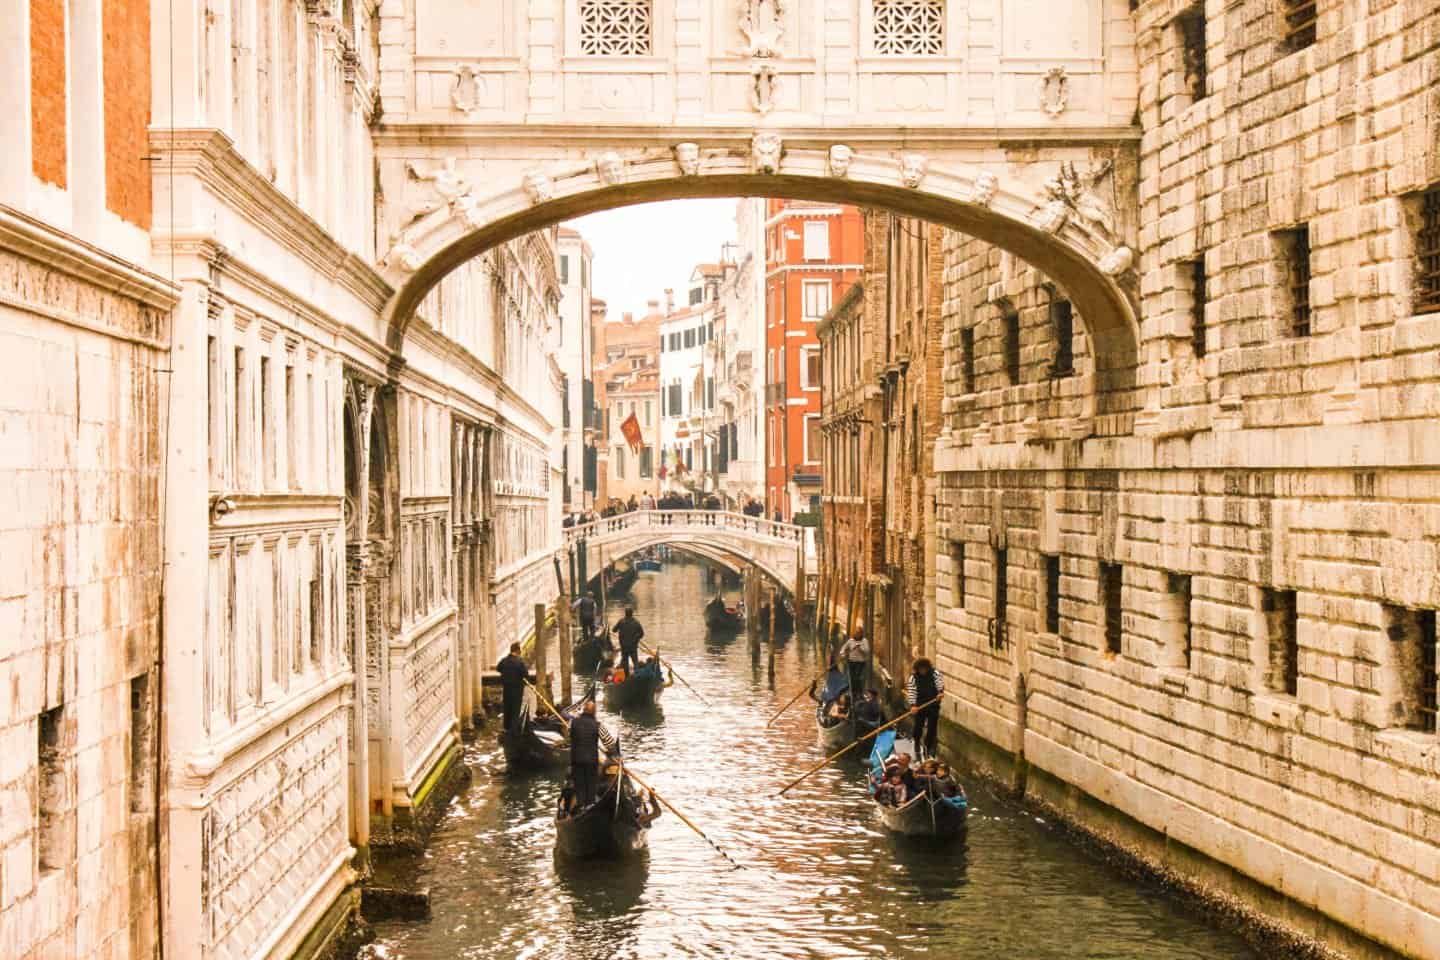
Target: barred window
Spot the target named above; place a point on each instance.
(1299, 24)
(1427, 252)
(615, 28)
(1294, 249)
(909, 28)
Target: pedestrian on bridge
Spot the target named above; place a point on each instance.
(629, 630)
(514, 673)
(924, 685)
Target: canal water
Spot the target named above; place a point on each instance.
(819, 876)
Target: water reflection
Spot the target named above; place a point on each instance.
(820, 878)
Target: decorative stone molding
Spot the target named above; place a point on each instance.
(1055, 91)
(762, 33)
(1117, 261)
(539, 187)
(765, 151)
(839, 158)
(687, 157)
(465, 91)
(610, 168)
(984, 189)
(764, 85)
(913, 167)
(403, 255)
(1071, 193)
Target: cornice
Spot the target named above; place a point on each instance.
(69, 254)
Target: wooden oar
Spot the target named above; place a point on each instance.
(855, 743)
(548, 705)
(803, 690)
(683, 819)
(656, 654)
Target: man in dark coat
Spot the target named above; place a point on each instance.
(585, 606)
(924, 685)
(629, 631)
(587, 735)
(514, 673)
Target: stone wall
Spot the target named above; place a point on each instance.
(1218, 623)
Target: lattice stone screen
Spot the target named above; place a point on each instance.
(615, 27)
(909, 28)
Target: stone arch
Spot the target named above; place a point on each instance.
(1056, 226)
(700, 550)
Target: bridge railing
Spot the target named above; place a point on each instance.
(689, 521)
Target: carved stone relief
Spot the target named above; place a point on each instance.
(913, 167)
(610, 168)
(687, 156)
(839, 159)
(765, 151)
(539, 187)
(984, 189)
(762, 24)
(1055, 91)
(765, 87)
(1072, 193)
(466, 91)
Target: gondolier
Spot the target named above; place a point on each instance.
(629, 631)
(585, 606)
(855, 654)
(587, 735)
(514, 672)
(924, 685)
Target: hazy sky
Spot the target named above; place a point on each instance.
(641, 250)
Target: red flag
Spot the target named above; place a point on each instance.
(631, 429)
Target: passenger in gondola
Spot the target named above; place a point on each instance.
(587, 735)
(891, 791)
(839, 708)
(868, 710)
(568, 801)
(629, 631)
(514, 673)
(924, 685)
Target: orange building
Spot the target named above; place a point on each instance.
(813, 253)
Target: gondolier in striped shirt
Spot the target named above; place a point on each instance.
(924, 685)
(587, 735)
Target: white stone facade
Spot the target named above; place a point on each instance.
(740, 351)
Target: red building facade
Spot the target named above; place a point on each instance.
(813, 253)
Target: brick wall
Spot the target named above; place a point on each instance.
(127, 109)
(48, 113)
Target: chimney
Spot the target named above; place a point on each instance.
(669, 301)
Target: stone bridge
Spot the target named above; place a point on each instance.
(782, 551)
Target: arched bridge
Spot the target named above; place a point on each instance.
(782, 551)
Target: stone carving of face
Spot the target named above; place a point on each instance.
(765, 149)
(985, 186)
(840, 157)
(610, 168)
(912, 169)
(540, 187)
(687, 155)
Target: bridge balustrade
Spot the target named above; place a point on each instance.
(675, 521)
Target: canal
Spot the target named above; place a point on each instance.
(819, 877)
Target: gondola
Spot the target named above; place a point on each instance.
(624, 578)
(834, 732)
(614, 825)
(647, 565)
(930, 813)
(784, 618)
(640, 688)
(540, 743)
(589, 655)
(720, 616)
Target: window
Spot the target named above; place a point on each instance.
(709, 393)
(213, 429)
(812, 439)
(56, 841)
(1199, 296)
(817, 298)
(1293, 247)
(1190, 39)
(1012, 345)
(967, 359)
(1282, 632)
(615, 28)
(649, 411)
(1412, 660)
(696, 295)
(267, 424)
(957, 573)
(242, 417)
(1298, 24)
(810, 367)
(909, 28)
(998, 600)
(1427, 252)
(1111, 585)
(647, 462)
(689, 338)
(769, 366)
(675, 341)
(142, 788)
(817, 240)
(619, 461)
(675, 401)
(292, 432)
(1052, 593)
(564, 268)
(1062, 323)
(1176, 626)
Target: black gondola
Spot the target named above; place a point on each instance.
(614, 825)
(784, 618)
(540, 743)
(834, 731)
(589, 654)
(720, 616)
(640, 688)
(937, 811)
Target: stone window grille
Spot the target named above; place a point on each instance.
(967, 359)
(1282, 622)
(1012, 345)
(1427, 252)
(1298, 24)
(908, 28)
(615, 28)
(1412, 656)
(1190, 38)
(1199, 295)
(1112, 581)
(1294, 250)
(1052, 593)
(1178, 645)
(55, 841)
(1001, 574)
(1062, 323)
(957, 573)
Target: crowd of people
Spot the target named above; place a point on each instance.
(901, 781)
(670, 500)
